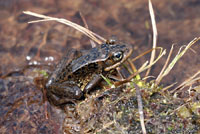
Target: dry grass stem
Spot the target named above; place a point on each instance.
(160, 55)
(155, 34)
(160, 76)
(167, 87)
(90, 34)
(144, 53)
(178, 56)
(142, 68)
(187, 82)
(173, 112)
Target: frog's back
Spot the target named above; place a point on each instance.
(76, 66)
(63, 68)
(93, 56)
(97, 54)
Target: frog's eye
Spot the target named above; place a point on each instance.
(117, 56)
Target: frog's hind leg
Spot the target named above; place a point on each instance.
(61, 93)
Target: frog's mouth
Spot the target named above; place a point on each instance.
(126, 56)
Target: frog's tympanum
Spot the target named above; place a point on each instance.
(79, 72)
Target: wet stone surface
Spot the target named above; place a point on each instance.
(23, 110)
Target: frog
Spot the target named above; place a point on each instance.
(78, 72)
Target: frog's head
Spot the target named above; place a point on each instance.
(116, 55)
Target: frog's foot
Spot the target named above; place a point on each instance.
(57, 101)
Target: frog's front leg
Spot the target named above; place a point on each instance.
(62, 93)
(96, 78)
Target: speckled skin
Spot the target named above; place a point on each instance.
(79, 72)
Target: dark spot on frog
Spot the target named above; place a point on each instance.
(87, 57)
(10, 84)
(122, 46)
(103, 46)
(69, 77)
(93, 66)
(83, 70)
(64, 74)
(94, 57)
(115, 47)
(61, 77)
(107, 48)
(77, 72)
(82, 62)
(66, 69)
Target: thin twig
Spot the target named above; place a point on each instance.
(44, 40)
(140, 107)
(86, 25)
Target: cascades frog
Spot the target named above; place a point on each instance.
(79, 72)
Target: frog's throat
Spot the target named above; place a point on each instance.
(119, 63)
